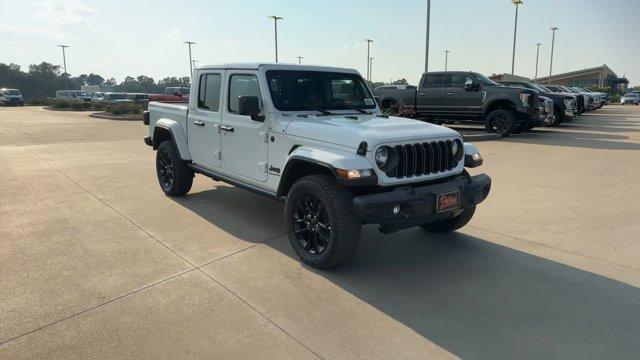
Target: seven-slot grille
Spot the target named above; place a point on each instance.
(423, 159)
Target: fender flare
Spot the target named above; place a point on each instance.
(177, 136)
(493, 101)
(329, 160)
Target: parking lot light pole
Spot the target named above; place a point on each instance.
(371, 69)
(553, 41)
(64, 62)
(426, 52)
(446, 59)
(190, 60)
(300, 59)
(517, 3)
(369, 41)
(535, 79)
(275, 29)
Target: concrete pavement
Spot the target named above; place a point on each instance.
(97, 263)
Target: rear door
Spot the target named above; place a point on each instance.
(244, 141)
(431, 93)
(203, 123)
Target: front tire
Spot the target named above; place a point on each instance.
(451, 224)
(322, 227)
(174, 175)
(500, 121)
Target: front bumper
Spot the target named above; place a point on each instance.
(418, 204)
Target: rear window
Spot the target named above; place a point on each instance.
(434, 81)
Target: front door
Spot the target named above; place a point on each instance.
(469, 102)
(203, 124)
(244, 141)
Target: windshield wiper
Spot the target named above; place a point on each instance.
(362, 111)
(322, 111)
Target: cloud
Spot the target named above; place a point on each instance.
(61, 13)
(173, 34)
(28, 32)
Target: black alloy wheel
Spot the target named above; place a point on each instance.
(311, 225)
(165, 170)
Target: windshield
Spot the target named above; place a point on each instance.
(485, 80)
(315, 90)
(12, 92)
(80, 93)
(539, 88)
(116, 96)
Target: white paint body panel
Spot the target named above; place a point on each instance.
(257, 146)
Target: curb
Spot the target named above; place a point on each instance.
(480, 137)
(69, 109)
(101, 115)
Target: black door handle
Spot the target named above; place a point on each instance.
(198, 122)
(226, 128)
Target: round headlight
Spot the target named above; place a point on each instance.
(382, 156)
(457, 149)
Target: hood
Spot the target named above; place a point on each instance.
(343, 130)
(517, 88)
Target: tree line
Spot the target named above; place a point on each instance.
(41, 81)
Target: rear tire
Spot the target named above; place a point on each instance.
(322, 227)
(174, 175)
(500, 121)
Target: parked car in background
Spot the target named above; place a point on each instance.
(172, 94)
(630, 98)
(564, 105)
(580, 107)
(457, 96)
(114, 98)
(97, 97)
(73, 95)
(547, 115)
(138, 98)
(590, 100)
(314, 138)
(10, 97)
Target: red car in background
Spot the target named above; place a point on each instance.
(178, 94)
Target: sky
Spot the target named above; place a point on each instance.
(118, 38)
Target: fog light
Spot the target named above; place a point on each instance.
(396, 210)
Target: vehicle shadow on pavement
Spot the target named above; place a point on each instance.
(470, 296)
(485, 301)
(578, 139)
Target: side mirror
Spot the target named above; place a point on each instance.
(471, 86)
(249, 106)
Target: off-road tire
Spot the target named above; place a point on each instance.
(182, 178)
(345, 226)
(507, 118)
(451, 224)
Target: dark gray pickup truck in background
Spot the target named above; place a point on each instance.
(457, 96)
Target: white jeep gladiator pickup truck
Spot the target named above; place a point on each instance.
(315, 138)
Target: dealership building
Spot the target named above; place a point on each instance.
(600, 76)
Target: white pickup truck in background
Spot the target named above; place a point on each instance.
(315, 138)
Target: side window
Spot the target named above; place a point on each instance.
(209, 92)
(458, 80)
(243, 85)
(434, 81)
